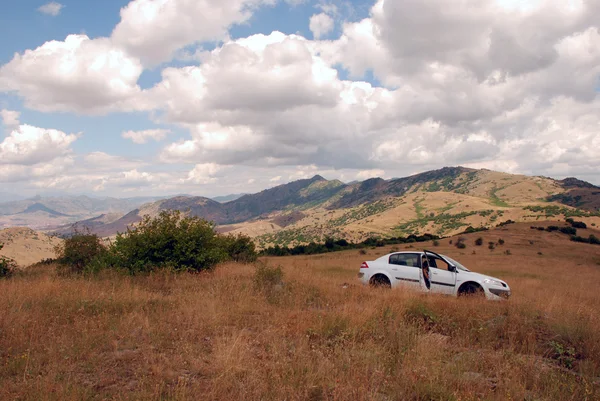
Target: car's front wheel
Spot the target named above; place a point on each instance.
(471, 290)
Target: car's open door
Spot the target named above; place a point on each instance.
(443, 273)
(425, 274)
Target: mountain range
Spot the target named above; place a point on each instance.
(50, 212)
(441, 202)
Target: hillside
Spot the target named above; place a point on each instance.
(26, 246)
(442, 202)
(318, 336)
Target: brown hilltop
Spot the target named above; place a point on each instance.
(27, 246)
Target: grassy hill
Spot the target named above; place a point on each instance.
(442, 202)
(27, 246)
(231, 335)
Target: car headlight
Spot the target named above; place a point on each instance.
(492, 281)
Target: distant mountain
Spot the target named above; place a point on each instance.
(227, 198)
(442, 202)
(45, 212)
(579, 194)
(38, 207)
(298, 194)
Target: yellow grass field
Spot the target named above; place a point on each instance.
(320, 336)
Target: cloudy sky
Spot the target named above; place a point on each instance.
(212, 97)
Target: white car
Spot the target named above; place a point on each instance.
(430, 272)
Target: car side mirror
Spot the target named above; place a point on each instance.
(453, 269)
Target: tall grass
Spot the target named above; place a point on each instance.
(320, 336)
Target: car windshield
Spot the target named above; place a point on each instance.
(455, 263)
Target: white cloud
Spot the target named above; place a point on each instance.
(275, 179)
(28, 145)
(100, 161)
(141, 137)
(203, 173)
(320, 25)
(53, 8)
(476, 84)
(79, 75)
(10, 118)
(366, 174)
(153, 30)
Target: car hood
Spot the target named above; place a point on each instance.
(480, 277)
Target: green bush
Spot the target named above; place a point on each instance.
(500, 241)
(7, 266)
(171, 241)
(239, 248)
(568, 230)
(267, 277)
(479, 241)
(576, 224)
(76, 252)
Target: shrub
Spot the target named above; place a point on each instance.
(436, 242)
(76, 252)
(362, 252)
(500, 241)
(491, 245)
(239, 248)
(568, 230)
(577, 238)
(479, 241)
(594, 240)
(578, 224)
(266, 277)
(342, 243)
(508, 252)
(460, 244)
(7, 266)
(173, 242)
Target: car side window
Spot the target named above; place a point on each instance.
(405, 259)
(438, 263)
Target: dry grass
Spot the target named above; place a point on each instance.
(318, 336)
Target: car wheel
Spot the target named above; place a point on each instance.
(471, 290)
(380, 281)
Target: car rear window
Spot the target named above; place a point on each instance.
(404, 259)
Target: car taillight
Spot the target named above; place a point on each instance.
(364, 265)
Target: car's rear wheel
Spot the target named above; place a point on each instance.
(471, 290)
(380, 281)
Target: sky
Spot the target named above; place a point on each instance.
(211, 97)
